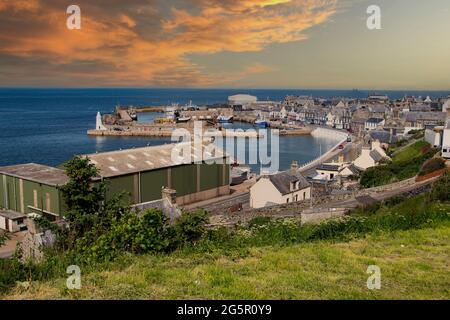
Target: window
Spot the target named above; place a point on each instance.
(304, 195)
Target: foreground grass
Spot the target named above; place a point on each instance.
(414, 265)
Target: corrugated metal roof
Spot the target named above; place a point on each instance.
(130, 161)
(37, 173)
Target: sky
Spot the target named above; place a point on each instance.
(310, 44)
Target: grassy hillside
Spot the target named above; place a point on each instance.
(414, 264)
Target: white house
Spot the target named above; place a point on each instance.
(371, 155)
(446, 106)
(373, 123)
(446, 141)
(348, 171)
(284, 187)
(434, 136)
(328, 171)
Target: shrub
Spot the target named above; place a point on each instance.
(441, 188)
(432, 165)
(190, 227)
(3, 237)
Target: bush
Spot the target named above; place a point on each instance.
(190, 227)
(3, 237)
(432, 165)
(441, 188)
(148, 232)
(394, 171)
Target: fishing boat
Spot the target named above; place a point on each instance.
(225, 119)
(262, 123)
(239, 174)
(183, 119)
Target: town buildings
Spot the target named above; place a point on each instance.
(280, 188)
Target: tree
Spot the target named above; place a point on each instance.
(88, 213)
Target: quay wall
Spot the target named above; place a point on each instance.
(338, 135)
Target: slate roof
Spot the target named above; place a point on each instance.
(414, 116)
(282, 181)
(329, 167)
(378, 108)
(383, 136)
(376, 155)
(352, 168)
(375, 120)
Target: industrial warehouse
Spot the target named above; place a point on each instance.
(139, 173)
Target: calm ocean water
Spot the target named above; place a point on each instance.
(48, 126)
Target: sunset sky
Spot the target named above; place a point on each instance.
(226, 43)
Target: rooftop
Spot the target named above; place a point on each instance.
(37, 173)
(117, 163)
(282, 181)
(375, 120)
(12, 215)
(329, 167)
(414, 116)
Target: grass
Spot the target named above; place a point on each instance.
(414, 265)
(410, 152)
(404, 165)
(407, 238)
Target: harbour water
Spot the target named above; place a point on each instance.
(48, 126)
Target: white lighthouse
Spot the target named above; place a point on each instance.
(99, 124)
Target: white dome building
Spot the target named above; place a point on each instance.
(241, 99)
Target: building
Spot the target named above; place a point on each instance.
(328, 171)
(141, 173)
(281, 188)
(32, 188)
(446, 141)
(446, 106)
(423, 120)
(241, 100)
(12, 221)
(373, 123)
(434, 136)
(371, 154)
(378, 111)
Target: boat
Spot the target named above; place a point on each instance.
(183, 119)
(133, 116)
(225, 119)
(262, 123)
(239, 174)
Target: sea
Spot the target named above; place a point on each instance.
(48, 125)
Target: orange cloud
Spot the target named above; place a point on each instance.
(147, 42)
